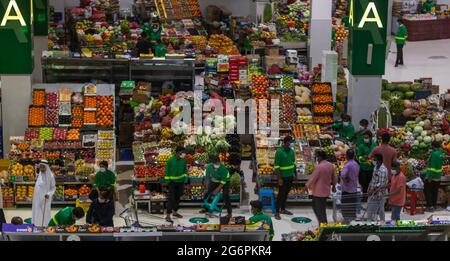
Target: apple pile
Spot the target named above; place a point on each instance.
(46, 133)
(139, 171)
(51, 118)
(59, 134)
(51, 99)
(288, 113)
(31, 134)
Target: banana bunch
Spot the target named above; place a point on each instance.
(401, 134)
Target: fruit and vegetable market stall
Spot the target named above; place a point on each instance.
(72, 127)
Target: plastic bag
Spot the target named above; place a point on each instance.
(416, 183)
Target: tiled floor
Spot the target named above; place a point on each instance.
(422, 59)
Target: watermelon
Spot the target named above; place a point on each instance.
(403, 87)
(409, 95)
(385, 95)
(390, 87)
(398, 94)
(416, 87)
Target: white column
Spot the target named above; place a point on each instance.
(330, 69)
(320, 30)
(16, 96)
(40, 45)
(364, 95)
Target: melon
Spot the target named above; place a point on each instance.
(385, 95)
(416, 87)
(403, 87)
(409, 94)
(390, 87)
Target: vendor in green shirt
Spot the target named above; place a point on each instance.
(345, 128)
(175, 173)
(363, 127)
(104, 177)
(66, 217)
(260, 216)
(428, 6)
(363, 150)
(160, 49)
(433, 175)
(285, 170)
(218, 178)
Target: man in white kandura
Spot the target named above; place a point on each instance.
(43, 193)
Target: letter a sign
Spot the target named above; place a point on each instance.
(16, 34)
(368, 37)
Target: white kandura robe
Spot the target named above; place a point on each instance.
(45, 185)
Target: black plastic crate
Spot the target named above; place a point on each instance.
(422, 94)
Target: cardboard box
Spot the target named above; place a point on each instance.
(272, 51)
(280, 60)
(251, 57)
(435, 89)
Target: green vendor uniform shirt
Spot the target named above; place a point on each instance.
(434, 170)
(402, 35)
(176, 170)
(285, 162)
(345, 132)
(427, 6)
(104, 179)
(362, 153)
(63, 218)
(220, 175)
(261, 217)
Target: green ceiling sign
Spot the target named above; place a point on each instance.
(16, 34)
(368, 37)
(41, 13)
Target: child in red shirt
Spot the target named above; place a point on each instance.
(397, 196)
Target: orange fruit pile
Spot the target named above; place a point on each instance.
(89, 117)
(39, 97)
(90, 102)
(73, 134)
(36, 116)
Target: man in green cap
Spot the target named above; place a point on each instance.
(176, 174)
(345, 128)
(219, 181)
(285, 170)
(66, 217)
(433, 175)
(400, 40)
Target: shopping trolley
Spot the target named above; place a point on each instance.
(348, 208)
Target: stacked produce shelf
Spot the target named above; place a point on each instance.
(322, 100)
(61, 132)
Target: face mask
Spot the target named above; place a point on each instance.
(394, 172)
(103, 169)
(216, 166)
(367, 140)
(345, 124)
(362, 128)
(291, 145)
(374, 162)
(183, 155)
